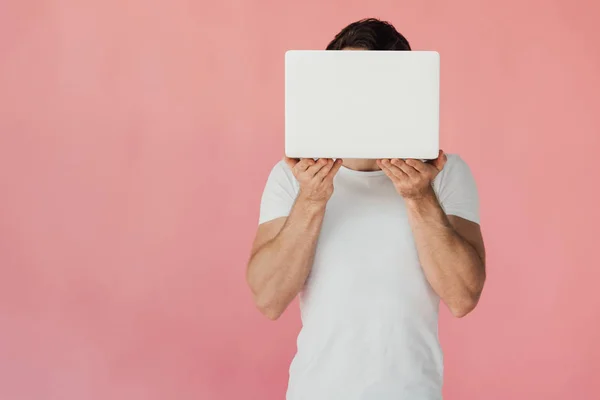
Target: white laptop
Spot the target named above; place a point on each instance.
(362, 104)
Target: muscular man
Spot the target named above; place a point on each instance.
(370, 261)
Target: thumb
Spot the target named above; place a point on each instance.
(439, 162)
(291, 162)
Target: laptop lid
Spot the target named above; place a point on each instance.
(361, 104)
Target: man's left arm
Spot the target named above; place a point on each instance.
(451, 253)
(445, 227)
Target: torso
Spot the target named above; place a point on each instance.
(369, 315)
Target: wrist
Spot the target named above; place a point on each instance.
(422, 201)
(310, 205)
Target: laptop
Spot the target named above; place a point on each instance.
(362, 104)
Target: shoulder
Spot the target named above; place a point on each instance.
(282, 174)
(455, 164)
(281, 169)
(455, 161)
(455, 171)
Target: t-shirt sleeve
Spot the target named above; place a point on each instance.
(457, 191)
(279, 194)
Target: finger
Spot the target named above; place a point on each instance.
(386, 166)
(397, 172)
(291, 162)
(407, 169)
(334, 169)
(324, 171)
(389, 173)
(316, 167)
(417, 164)
(304, 164)
(439, 162)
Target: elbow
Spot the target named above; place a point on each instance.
(268, 308)
(463, 306)
(265, 304)
(462, 310)
(271, 313)
(468, 299)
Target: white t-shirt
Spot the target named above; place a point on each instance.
(369, 316)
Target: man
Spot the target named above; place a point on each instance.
(370, 261)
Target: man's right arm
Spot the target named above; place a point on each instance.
(282, 257)
(284, 248)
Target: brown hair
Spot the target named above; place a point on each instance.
(369, 34)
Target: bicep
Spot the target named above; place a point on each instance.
(266, 232)
(457, 190)
(278, 196)
(470, 232)
(276, 203)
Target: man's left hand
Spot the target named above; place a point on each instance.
(412, 178)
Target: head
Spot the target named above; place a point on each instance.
(369, 34)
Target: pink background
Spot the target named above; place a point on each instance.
(135, 139)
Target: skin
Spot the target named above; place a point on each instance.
(450, 248)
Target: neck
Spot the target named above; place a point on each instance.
(360, 164)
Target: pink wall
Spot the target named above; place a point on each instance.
(135, 138)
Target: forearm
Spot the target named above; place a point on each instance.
(278, 270)
(452, 266)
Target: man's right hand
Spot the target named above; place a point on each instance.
(315, 177)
